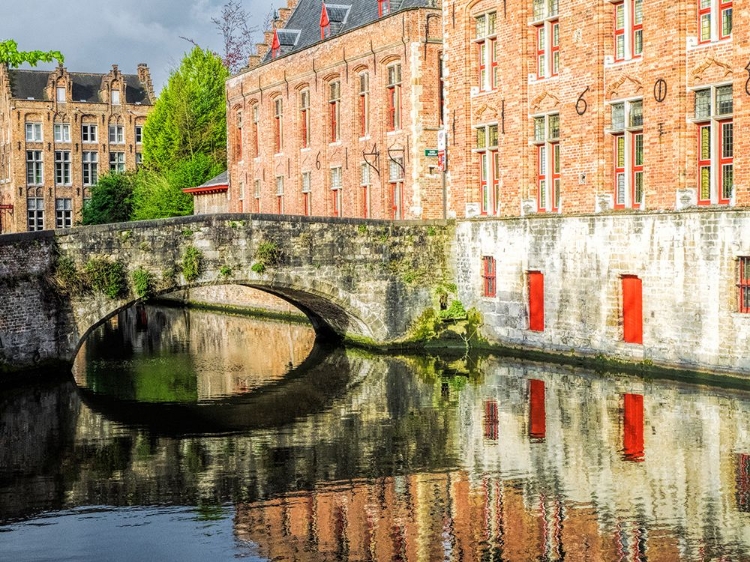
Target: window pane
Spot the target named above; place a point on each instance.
(552, 7)
(620, 16)
(638, 42)
(620, 163)
(638, 12)
(620, 195)
(638, 194)
(480, 25)
(556, 158)
(702, 104)
(638, 149)
(727, 140)
(538, 9)
(705, 179)
(724, 100)
(705, 143)
(491, 17)
(493, 135)
(620, 47)
(705, 27)
(727, 181)
(636, 114)
(481, 137)
(554, 126)
(726, 22)
(618, 116)
(538, 128)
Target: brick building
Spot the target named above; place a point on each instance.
(334, 115)
(566, 106)
(59, 131)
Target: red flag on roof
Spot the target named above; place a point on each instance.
(325, 23)
(275, 45)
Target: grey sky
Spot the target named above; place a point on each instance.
(95, 34)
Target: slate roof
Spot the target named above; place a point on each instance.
(344, 15)
(27, 84)
(218, 184)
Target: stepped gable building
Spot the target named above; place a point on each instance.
(335, 113)
(569, 106)
(59, 131)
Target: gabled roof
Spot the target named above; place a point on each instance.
(31, 84)
(218, 184)
(344, 16)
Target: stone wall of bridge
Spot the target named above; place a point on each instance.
(366, 280)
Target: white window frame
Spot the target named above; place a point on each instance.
(116, 134)
(62, 167)
(715, 118)
(626, 194)
(487, 139)
(90, 167)
(61, 132)
(631, 29)
(715, 10)
(33, 131)
(485, 41)
(89, 133)
(34, 167)
(549, 196)
(116, 162)
(63, 213)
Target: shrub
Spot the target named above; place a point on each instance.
(106, 277)
(143, 283)
(191, 263)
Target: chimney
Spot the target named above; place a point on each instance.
(253, 61)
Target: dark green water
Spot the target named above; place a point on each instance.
(189, 435)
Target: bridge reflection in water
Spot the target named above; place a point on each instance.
(394, 458)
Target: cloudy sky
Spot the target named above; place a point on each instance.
(95, 34)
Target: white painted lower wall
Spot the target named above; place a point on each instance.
(687, 262)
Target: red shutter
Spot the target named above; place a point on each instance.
(537, 412)
(536, 301)
(632, 309)
(632, 427)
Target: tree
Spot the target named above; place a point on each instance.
(238, 37)
(189, 117)
(10, 55)
(157, 196)
(111, 200)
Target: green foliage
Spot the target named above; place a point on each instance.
(187, 232)
(106, 277)
(258, 267)
(143, 283)
(427, 326)
(267, 253)
(66, 274)
(362, 228)
(154, 197)
(111, 200)
(455, 311)
(14, 58)
(191, 263)
(189, 117)
(225, 271)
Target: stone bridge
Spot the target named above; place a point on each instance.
(356, 279)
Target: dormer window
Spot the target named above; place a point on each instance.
(384, 7)
(325, 23)
(115, 97)
(60, 94)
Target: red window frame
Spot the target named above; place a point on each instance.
(491, 420)
(238, 137)
(724, 159)
(619, 31)
(397, 200)
(336, 202)
(637, 168)
(394, 102)
(536, 301)
(485, 181)
(306, 203)
(489, 276)
(743, 284)
(541, 177)
(723, 7)
(704, 163)
(365, 198)
(333, 107)
(277, 115)
(620, 159)
(704, 11)
(554, 194)
(362, 107)
(636, 27)
(541, 51)
(384, 8)
(255, 131)
(305, 119)
(481, 54)
(554, 41)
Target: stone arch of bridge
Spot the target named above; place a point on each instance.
(333, 313)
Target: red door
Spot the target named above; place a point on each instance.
(536, 301)
(632, 309)
(632, 427)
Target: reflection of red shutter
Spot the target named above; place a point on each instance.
(632, 309)
(536, 301)
(490, 419)
(743, 482)
(537, 413)
(632, 427)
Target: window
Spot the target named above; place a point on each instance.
(627, 134)
(237, 136)
(628, 29)
(279, 195)
(394, 97)
(138, 159)
(489, 168)
(384, 7)
(256, 119)
(115, 97)
(536, 301)
(90, 168)
(60, 94)
(743, 284)
(304, 118)
(489, 277)
(364, 182)
(33, 132)
(714, 20)
(547, 140)
(632, 309)
(88, 133)
(306, 190)
(35, 213)
(278, 120)
(116, 161)
(396, 184)
(63, 213)
(62, 132)
(336, 191)
(334, 93)
(62, 167)
(547, 30)
(256, 194)
(138, 134)
(116, 134)
(486, 45)
(363, 104)
(713, 117)
(34, 168)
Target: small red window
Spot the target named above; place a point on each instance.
(743, 284)
(491, 420)
(489, 277)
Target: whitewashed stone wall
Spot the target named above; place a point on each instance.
(687, 262)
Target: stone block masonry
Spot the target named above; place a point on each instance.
(687, 263)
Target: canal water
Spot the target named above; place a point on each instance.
(193, 435)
